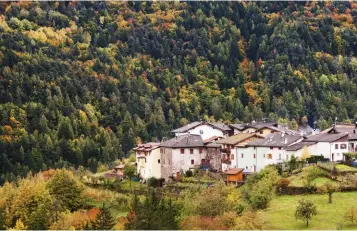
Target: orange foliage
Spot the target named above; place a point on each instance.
(92, 214)
(48, 174)
(203, 223)
(120, 225)
(245, 65)
(7, 129)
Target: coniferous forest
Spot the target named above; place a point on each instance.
(82, 82)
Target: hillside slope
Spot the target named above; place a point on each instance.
(80, 81)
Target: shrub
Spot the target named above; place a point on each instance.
(351, 215)
(313, 173)
(281, 185)
(153, 182)
(189, 173)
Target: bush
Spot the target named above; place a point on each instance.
(281, 185)
(313, 173)
(189, 173)
(153, 182)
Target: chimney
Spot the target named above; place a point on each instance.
(285, 141)
(282, 134)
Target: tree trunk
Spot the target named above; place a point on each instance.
(307, 223)
(329, 198)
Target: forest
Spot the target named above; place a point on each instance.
(81, 83)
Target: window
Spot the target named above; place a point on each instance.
(260, 132)
(145, 160)
(246, 167)
(191, 150)
(264, 155)
(336, 146)
(232, 157)
(254, 156)
(192, 161)
(279, 148)
(241, 155)
(158, 161)
(200, 150)
(287, 157)
(279, 156)
(271, 147)
(271, 131)
(182, 151)
(162, 150)
(270, 156)
(343, 146)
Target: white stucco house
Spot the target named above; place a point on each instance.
(148, 159)
(229, 145)
(257, 154)
(205, 129)
(330, 145)
(182, 153)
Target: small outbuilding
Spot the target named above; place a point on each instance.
(234, 175)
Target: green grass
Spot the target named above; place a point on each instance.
(136, 185)
(339, 167)
(281, 212)
(298, 181)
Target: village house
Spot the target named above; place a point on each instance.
(298, 149)
(180, 154)
(148, 160)
(330, 145)
(262, 152)
(229, 145)
(205, 129)
(261, 128)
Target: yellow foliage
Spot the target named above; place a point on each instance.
(305, 153)
(72, 221)
(19, 225)
(252, 91)
(49, 35)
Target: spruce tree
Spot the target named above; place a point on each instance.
(103, 220)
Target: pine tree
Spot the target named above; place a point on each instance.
(103, 220)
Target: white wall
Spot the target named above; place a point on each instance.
(183, 161)
(152, 167)
(261, 160)
(298, 153)
(208, 132)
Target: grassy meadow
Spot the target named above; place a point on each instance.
(281, 212)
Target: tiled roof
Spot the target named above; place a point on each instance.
(341, 128)
(211, 139)
(183, 141)
(233, 140)
(326, 137)
(275, 140)
(299, 145)
(237, 126)
(187, 127)
(234, 171)
(221, 126)
(147, 147)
